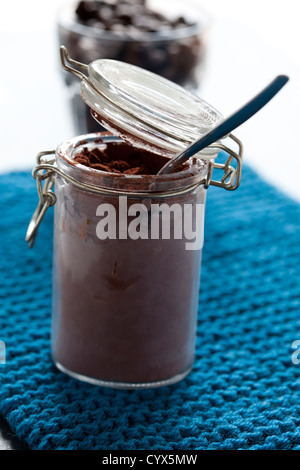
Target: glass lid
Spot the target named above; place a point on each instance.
(146, 109)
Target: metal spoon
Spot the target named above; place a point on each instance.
(228, 125)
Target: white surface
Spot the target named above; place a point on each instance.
(270, 138)
(251, 42)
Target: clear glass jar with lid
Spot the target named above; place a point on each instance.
(169, 38)
(127, 246)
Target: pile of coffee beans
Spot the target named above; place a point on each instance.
(130, 17)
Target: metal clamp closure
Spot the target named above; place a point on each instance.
(47, 197)
(232, 175)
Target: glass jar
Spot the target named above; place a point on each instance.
(125, 308)
(127, 248)
(177, 54)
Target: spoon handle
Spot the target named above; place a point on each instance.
(229, 124)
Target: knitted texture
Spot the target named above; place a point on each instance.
(244, 390)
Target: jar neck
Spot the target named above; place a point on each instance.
(196, 173)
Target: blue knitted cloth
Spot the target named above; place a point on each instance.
(244, 391)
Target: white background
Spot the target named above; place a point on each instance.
(251, 42)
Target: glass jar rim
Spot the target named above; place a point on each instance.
(195, 175)
(66, 19)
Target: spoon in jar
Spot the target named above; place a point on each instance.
(227, 125)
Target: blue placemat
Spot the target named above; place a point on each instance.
(244, 391)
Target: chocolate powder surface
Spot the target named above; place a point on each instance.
(122, 158)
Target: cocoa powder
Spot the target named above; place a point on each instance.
(133, 161)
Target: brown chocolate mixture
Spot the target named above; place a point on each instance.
(125, 309)
(133, 161)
